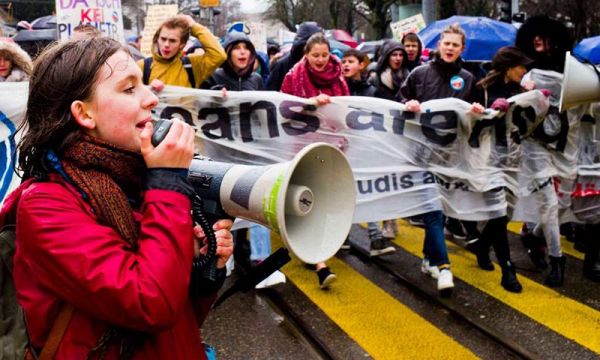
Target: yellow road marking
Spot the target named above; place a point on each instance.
(559, 313)
(380, 324)
(567, 246)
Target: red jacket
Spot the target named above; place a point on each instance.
(64, 254)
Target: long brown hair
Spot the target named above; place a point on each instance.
(63, 73)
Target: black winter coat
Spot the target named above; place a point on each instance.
(222, 78)
(497, 90)
(438, 80)
(361, 88)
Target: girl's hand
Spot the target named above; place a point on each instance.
(175, 151)
(322, 99)
(477, 108)
(528, 85)
(157, 86)
(413, 106)
(224, 237)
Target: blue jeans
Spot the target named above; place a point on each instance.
(434, 247)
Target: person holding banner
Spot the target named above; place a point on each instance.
(104, 236)
(443, 77)
(15, 63)
(390, 71)
(354, 64)
(503, 81)
(237, 73)
(285, 63)
(546, 41)
(167, 63)
(318, 76)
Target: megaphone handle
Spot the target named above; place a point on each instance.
(206, 264)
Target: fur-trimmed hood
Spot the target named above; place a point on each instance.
(21, 62)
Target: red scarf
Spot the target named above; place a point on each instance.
(306, 82)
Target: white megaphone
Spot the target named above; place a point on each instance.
(309, 200)
(581, 83)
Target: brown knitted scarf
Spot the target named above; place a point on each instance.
(107, 175)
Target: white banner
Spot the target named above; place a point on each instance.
(393, 153)
(404, 163)
(13, 102)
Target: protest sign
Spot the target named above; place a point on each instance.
(156, 15)
(412, 24)
(105, 15)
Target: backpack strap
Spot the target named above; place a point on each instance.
(7, 241)
(147, 69)
(187, 65)
(57, 332)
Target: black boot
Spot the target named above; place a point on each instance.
(591, 261)
(509, 278)
(536, 249)
(557, 271)
(483, 258)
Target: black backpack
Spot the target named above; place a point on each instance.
(187, 65)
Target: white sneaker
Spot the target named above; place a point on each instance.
(229, 266)
(445, 284)
(432, 271)
(275, 278)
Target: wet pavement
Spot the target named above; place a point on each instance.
(286, 322)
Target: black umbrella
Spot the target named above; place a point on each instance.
(44, 22)
(36, 35)
(369, 47)
(34, 41)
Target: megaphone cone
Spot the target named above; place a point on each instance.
(581, 84)
(309, 200)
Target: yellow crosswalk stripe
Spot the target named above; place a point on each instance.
(378, 322)
(567, 246)
(557, 312)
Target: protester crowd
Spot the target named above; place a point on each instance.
(89, 167)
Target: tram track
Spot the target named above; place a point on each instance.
(319, 345)
(300, 326)
(447, 304)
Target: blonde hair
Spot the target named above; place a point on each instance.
(455, 29)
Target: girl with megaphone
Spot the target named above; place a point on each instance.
(104, 233)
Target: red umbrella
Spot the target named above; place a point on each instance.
(343, 37)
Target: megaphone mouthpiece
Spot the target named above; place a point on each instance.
(298, 200)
